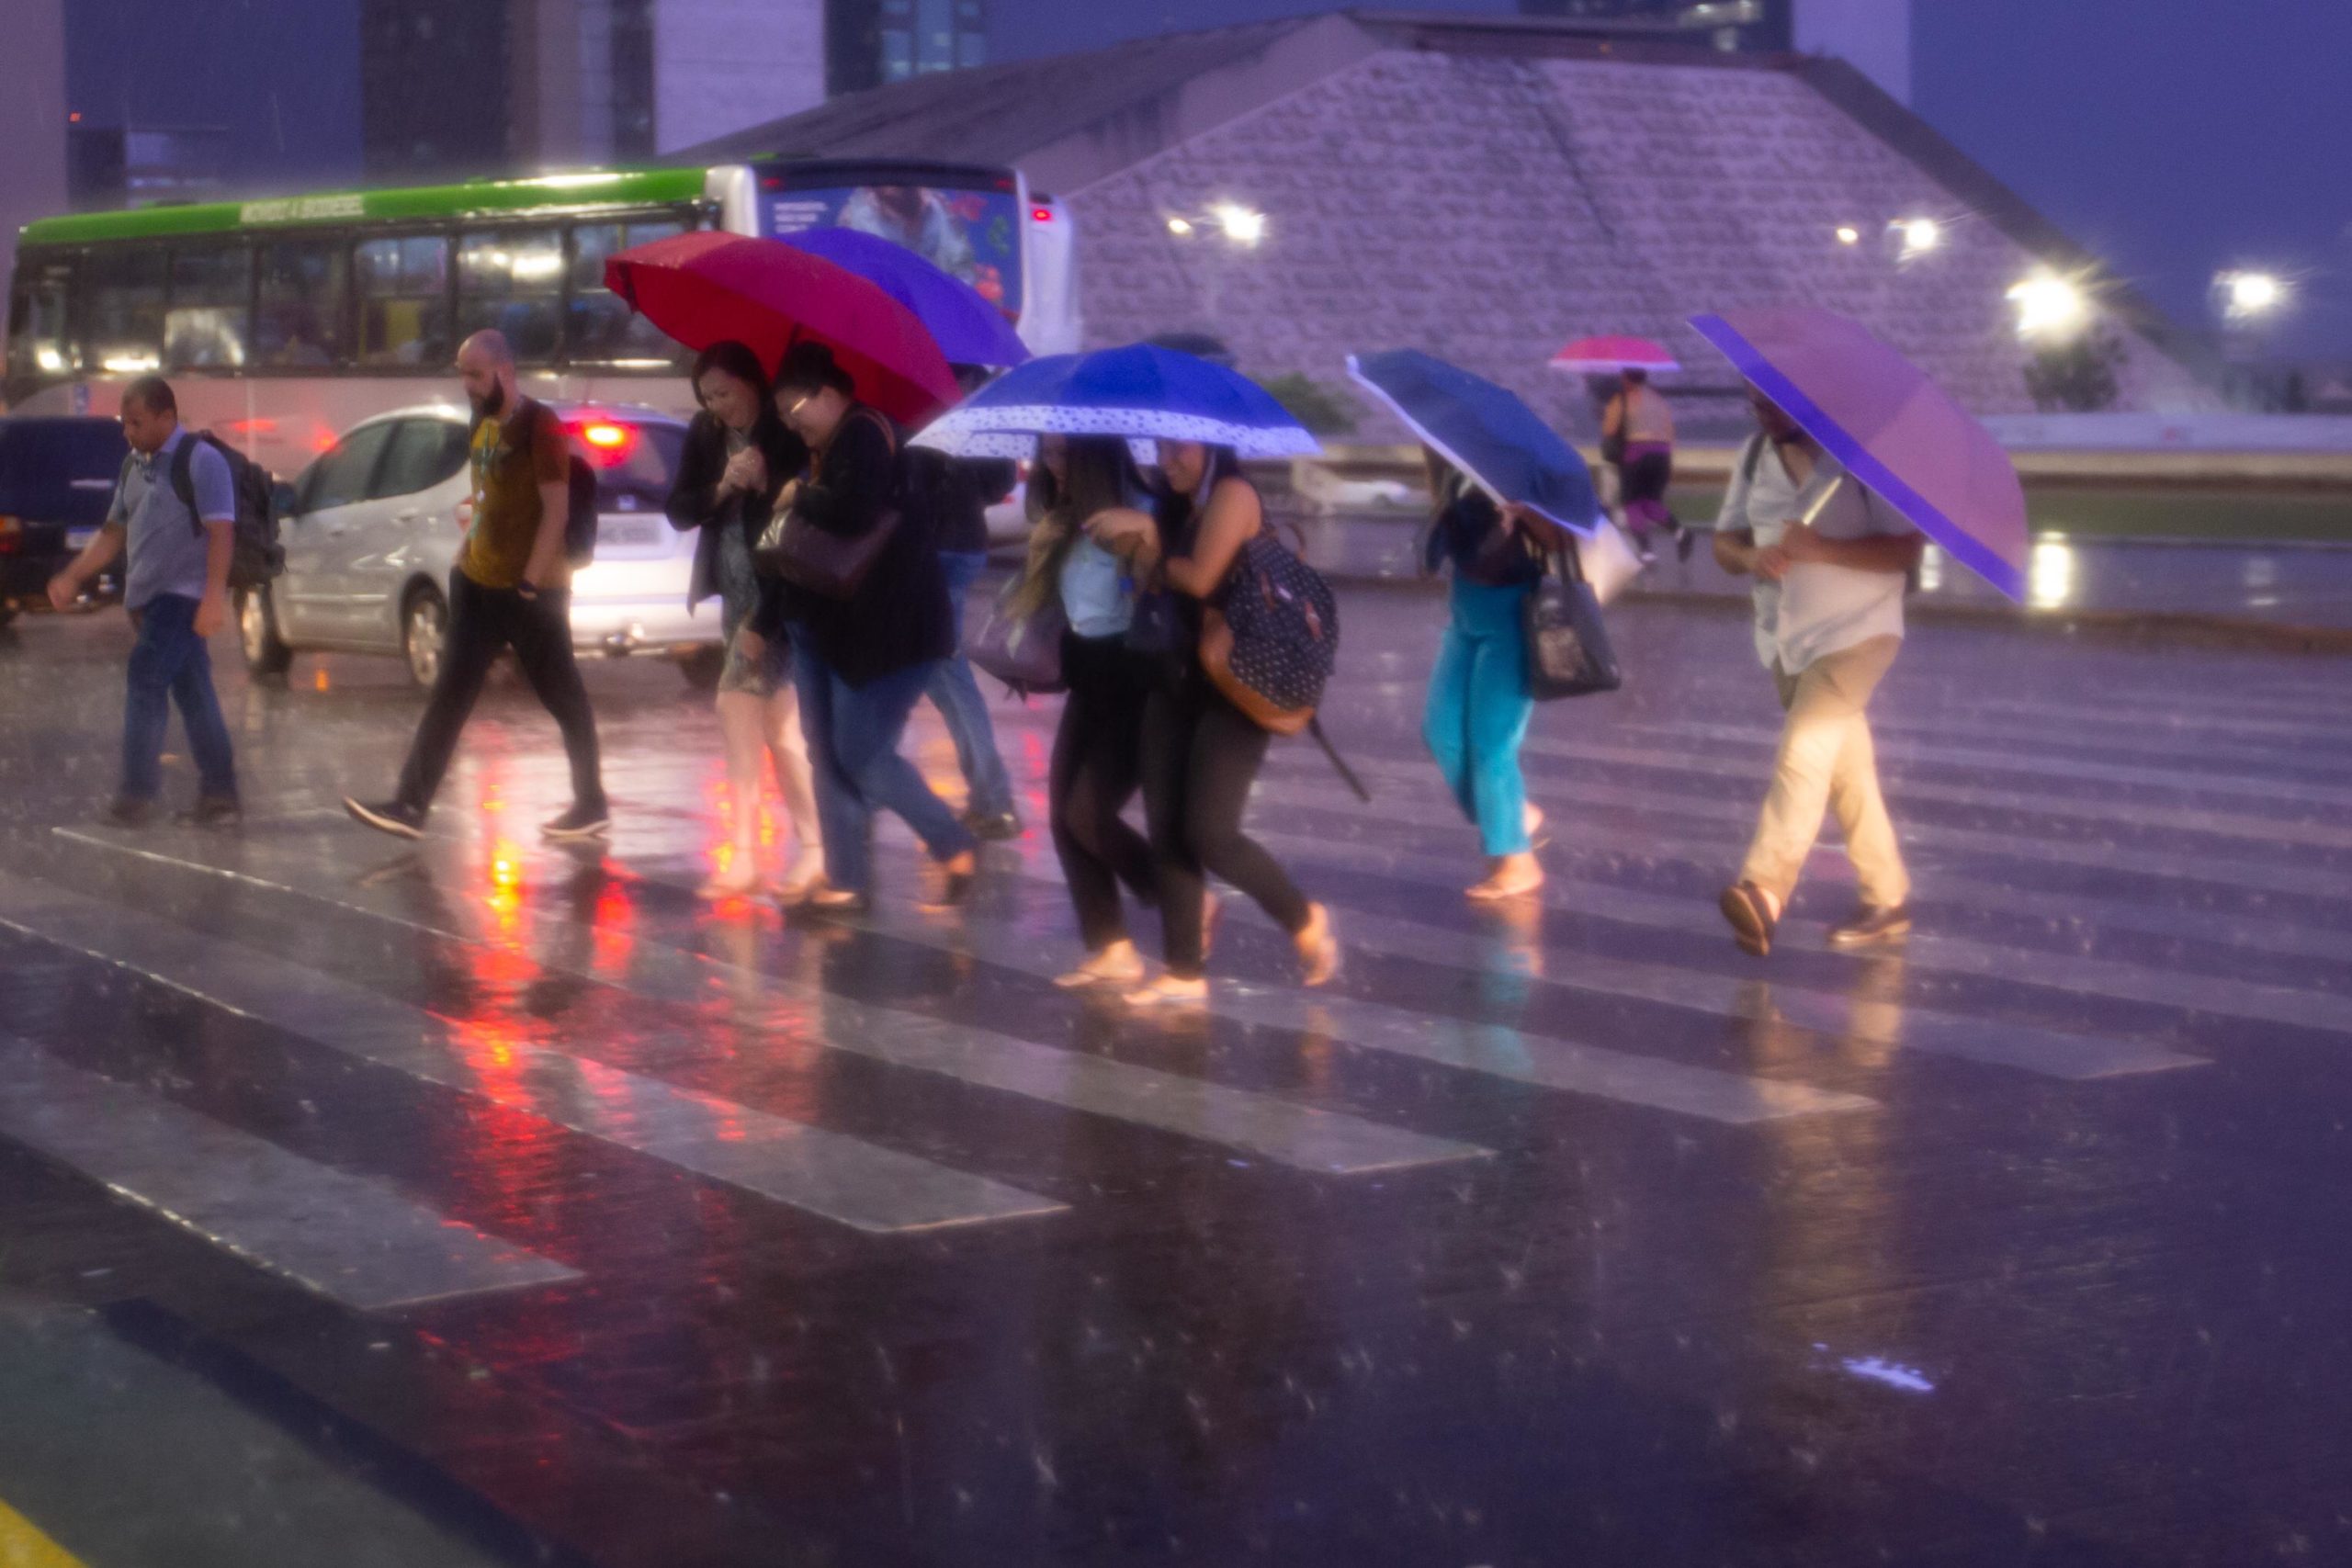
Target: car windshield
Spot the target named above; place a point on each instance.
(59, 471)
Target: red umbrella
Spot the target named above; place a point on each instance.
(709, 285)
(1607, 356)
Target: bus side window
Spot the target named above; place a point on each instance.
(512, 279)
(39, 348)
(605, 331)
(124, 316)
(402, 283)
(300, 325)
(212, 293)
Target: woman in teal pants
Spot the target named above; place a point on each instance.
(1479, 701)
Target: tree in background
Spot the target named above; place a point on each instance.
(2076, 375)
(1326, 411)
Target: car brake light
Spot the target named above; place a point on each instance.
(11, 535)
(1042, 214)
(608, 445)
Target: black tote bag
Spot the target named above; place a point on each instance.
(1568, 647)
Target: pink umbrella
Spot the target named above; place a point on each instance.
(1608, 356)
(1893, 428)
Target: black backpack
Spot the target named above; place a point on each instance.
(580, 517)
(257, 557)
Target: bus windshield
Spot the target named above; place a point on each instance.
(969, 233)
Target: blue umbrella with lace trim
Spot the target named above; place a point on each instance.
(1142, 392)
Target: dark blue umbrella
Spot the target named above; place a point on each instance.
(1485, 431)
(1141, 391)
(968, 330)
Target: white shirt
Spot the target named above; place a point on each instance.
(1816, 609)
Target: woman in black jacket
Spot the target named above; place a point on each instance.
(738, 455)
(862, 663)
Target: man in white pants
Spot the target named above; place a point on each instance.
(1828, 602)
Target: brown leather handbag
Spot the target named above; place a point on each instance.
(833, 566)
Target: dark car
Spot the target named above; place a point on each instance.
(57, 479)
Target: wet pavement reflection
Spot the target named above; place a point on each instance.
(486, 1202)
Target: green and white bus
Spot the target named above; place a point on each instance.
(283, 323)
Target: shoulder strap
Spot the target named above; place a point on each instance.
(889, 431)
(1750, 458)
(183, 478)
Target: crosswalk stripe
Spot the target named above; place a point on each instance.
(2050, 1053)
(2105, 815)
(1283, 1130)
(2017, 759)
(348, 1238)
(1492, 1050)
(1299, 783)
(858, 1184)
(2216, 994)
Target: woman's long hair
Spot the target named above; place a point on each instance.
(1102, 476)
(1173, 510)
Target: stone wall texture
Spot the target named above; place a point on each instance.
(1489, 210)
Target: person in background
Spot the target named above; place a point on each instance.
(738, 453)
(1638, 426)
(864, 662)
(962, 491)
(1828, 615)
(1479, 707)
(1201, 755)
(511, 589)
(1078, 482)
(177, 591)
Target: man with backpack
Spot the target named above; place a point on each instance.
(511, 590)
(180, 540)
(1828, 605)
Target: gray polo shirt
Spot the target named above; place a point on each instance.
(165, 546)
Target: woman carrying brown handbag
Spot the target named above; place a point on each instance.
(863, 660)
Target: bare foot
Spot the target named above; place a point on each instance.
(1170, 991)
(1117, 964)
(1513, 875)
(1536, 836)
(1319, 949)
(804, 878)
(727, 884)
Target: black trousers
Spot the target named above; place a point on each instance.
(482, 621)
(1097, 767)
(1201, 755)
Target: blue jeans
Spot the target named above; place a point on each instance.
(1477, 712)
(854, 734)
(955, 692)
(170, 664)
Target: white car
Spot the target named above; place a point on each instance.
(373, 533)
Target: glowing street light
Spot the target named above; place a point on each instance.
(1848, 235)
(2248, 297)
(1180, 227)
(1241, 225)
(1920, 235)
(2049, 307)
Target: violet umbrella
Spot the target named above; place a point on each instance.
(1892, 427)
(1610, 355)
(968, 330)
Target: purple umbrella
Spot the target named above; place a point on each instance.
(1893, 428)
(968, 330)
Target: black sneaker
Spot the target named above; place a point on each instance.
(580, 822)
(129, 811)
(397, 817)
(214, 811)
(993, 827)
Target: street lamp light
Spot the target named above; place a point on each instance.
(1180, 227)
(2251, 296)
(1241, 225)
(2049, 307)
(1920, 235)
(1848, 235)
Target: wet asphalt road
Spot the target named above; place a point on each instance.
(494, 1203)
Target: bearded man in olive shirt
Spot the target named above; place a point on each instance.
(512, 589)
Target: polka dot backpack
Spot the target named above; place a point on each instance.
(1273, 645)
